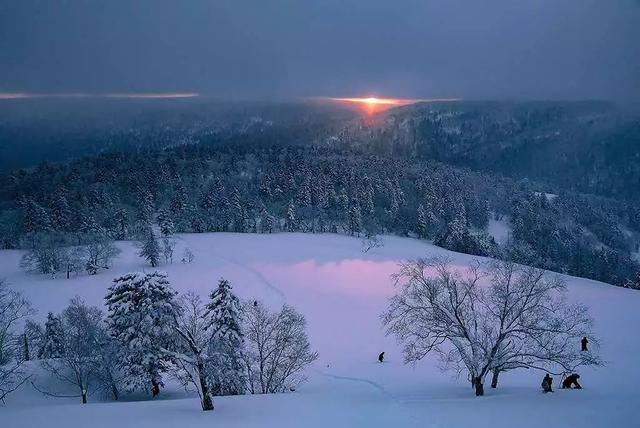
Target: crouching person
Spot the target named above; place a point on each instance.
(571, 381)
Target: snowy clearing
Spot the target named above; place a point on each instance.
(342, 292)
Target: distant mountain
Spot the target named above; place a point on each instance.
(590, 147)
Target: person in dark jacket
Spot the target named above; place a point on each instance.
(381, 357)
(546, 383)
(584, 343)
(571, 381)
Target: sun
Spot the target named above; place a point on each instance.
(371, 104)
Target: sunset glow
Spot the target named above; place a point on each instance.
(372, 104)
(132, 95)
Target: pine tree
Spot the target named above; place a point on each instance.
(354, 218)
(178, 206)
(422, 228)
(60, 212)
(165, 223)
(146, 209)
(34, 217)
(53, 340)
(223, 322)
(150, 249)
(121, 224)
(141, 318)
(292, 221)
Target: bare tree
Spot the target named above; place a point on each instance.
(191, 356)
(278, 349)
(488, 319)
(13, 308)
(168, 246)
(100, 251)
(81, 359)
(370, 241)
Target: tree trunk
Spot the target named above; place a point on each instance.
(26, 348)
(84, 396)
(479, 387)
(155, 387)
(114, 391)
(494, 379)
(207, 402)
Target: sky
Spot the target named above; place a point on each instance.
(280, 49)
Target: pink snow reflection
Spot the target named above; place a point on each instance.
(348, 277)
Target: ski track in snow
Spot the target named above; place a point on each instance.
(375, 385)
(262, 279)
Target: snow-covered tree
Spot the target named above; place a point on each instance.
(100, 251)
(74, 259)
(223, 317)
(521, 319)
(32, 340)
(79, 361)
(191, 353)
(141, 316)
(13, 309)
(168, 246)
(354, 218)
(277, 348)
(165, 223)
(291, 219)
(46, 256)
(149, 248)
(53, 338)
(34, 217)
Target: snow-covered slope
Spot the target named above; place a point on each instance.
(341, 291)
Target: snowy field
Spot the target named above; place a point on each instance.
(341, 291)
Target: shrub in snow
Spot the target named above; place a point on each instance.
(277, 348)
(13, 308)
(187, 256)
(519, 319)
(141, 316)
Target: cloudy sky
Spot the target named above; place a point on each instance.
(490, 49)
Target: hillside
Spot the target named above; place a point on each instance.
(587, 146)
(342, 292)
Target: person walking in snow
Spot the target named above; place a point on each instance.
(584, 343)
(546, 383)
(381, 357)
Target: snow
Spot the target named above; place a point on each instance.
(500, 230)
(342, 292)
(550, 196)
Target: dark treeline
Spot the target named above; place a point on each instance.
(589, 147)
(249, 188)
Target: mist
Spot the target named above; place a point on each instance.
(284, 49)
